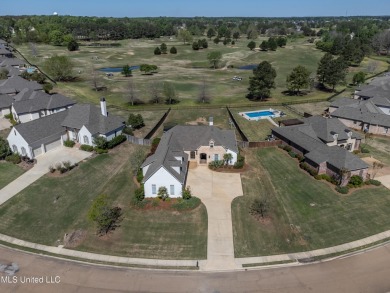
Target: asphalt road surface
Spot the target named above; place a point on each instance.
(365, 272)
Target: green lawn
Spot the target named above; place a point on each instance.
(186, 70)
(319, 216)
(51, 207)
(8, 173)
(379, 148)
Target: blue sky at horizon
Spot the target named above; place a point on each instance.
(183, 8)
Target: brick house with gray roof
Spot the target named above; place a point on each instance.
(326, 145)
(181, 146)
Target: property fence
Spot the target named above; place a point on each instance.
(158, 124)
(242, 134)
(137, 140)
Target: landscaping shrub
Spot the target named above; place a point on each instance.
(216, 164)
(67, 165)
(69, 143)
(185, 205)
(287, 148)
(8, 116)
(356, 152)
(58, 166)
(300, 157)
(373, 182)
(186, 193)
(318, 177)
(240, 162)
(342, 190)
(260, 207)
(140, 175)
(163, 193)
(292, 154)
(86, 148)
(101, 142)
(100, 151)
(127, 130)
(355, 181)
(155, 143)
(14, 159)
(364, 150)
(308, 169)
(116, 141)
(139, 194)
(52, 169)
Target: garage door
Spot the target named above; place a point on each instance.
(52, 145)
(37, 151)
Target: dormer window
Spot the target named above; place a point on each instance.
(211, 144)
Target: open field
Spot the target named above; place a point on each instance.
(186, 70)
(8, 173)
(305, 214)
(53, 206)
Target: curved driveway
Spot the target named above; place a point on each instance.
(366, 272)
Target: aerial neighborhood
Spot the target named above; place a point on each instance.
(210, 144)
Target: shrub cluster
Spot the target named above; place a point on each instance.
(13, 158)
(214, 165)
(186, 204)
(364, 150)
(342, 190)
(116, 141)
(326, 177)
(100, 151)
(308, 169)
(86, 148)
(62, 167)
(186, 193)
(292, 154)
(373, 182)
(69, 143)
(140, 175)
(240, 162)
(139, 194)
(355, 181)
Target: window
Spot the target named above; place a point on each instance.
(154, 189)
(15, 132)
(86, 140)
(14, 148)
(216, 157)
(349, 146)
(192, 155)
(385, 130)
(211, 143)
(172, 189)
(23, 151)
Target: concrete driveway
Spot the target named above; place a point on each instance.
(217, 190)
(41, 168)
(4, 124)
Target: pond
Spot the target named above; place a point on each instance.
(248, 67)
(117, 69)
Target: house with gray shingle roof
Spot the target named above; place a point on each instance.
(370, 115)
(5, 104)
(181, 146)
(29, 105)
(5, 52)
(326, 145)
(16, 84)
(80, 123)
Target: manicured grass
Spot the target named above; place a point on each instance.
(8, 173)
(318, 216)
(379, 148)
(185, 70)
(51, 207)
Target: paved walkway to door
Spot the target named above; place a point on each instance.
(59, 154)
(217, 190)
(4, 124)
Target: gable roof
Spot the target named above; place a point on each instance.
(28, 101)
(43, 130)
(5, 101)
(16, 84)
(90, 116)
(4, 51)
(12, 62)
(378, 87)
(183, 138)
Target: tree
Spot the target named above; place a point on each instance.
(216, 41)
(135, 121)
(136, 159)
(105, 217)
(376, 166)
(195, 46)
(210, 33)
(131, 92)
(298, 78)
(126, 70)
(272, 44)
(4, 73)
(5, 150)
(169, 93)
(227, 158)
(262, 82)
(163, 48)
(184, 36)
(73, 45)
(95, 79)
(56, 37)
(162, 193)
(186, 194)
(236, 35)
(38, 77)
(338, 72)
(251, 45)
(147, 68)
(60, 68)
(264, 46)
(204, 44)
(154, 90)
(214, 58)
(100, 142)
(260, 207)
(157, 51)
(359, 78)
(281, 41)
(173, 50)
(204, 96)
(324, 67)
(47, 87)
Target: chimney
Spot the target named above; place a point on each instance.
(211, 121)
(335, 136)
(103, 106)
(349, 134)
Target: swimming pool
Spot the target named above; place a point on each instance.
(260, 114)
(117, 69)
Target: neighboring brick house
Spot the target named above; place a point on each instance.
(180, 146)
(326, 145)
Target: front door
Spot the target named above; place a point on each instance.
(203, 158)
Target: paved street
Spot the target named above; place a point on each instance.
(367, 272)
(217, 190)
(41, 168)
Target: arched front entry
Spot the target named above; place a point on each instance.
(203, 158)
